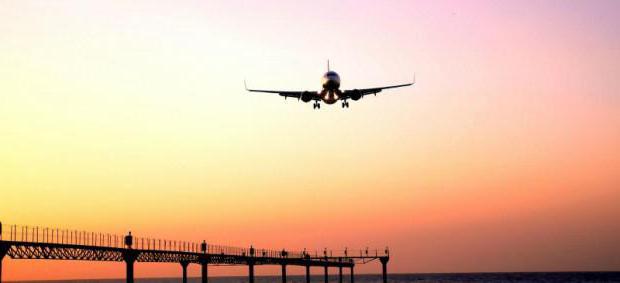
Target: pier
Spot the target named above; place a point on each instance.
(28, 242)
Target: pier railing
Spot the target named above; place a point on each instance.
(38, 234)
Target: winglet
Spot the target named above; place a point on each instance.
(245, 85)
(413, 78)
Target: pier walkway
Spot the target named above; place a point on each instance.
(27, 242)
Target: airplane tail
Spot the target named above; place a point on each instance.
(328, 65)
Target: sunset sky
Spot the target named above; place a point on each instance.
(131, 115)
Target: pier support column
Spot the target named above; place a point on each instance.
(307, 273)
(205, 272)
(204, 260)
(251, 267)
(129, 271)
(339, 274)
(184, 265)
(352, 275)
(251, 264)
(130, 258)
(326, 274)
(283, 273)
(4, 248)
(384, 261)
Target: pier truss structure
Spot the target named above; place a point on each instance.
(27, 242)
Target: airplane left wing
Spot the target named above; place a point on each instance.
(356, 94)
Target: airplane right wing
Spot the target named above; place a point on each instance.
(286, 93)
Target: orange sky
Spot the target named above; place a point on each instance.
(503, 156)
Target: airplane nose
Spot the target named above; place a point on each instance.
(330, 97)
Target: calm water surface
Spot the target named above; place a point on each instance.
(568, 277)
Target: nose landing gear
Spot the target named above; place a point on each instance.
(316, 105)
(345, 104)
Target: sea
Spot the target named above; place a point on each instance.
(508, 277)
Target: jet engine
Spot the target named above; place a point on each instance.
(306, 96)
(356, 94)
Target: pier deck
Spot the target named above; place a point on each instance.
(24, 242)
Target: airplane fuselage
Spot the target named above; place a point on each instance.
(331, 87)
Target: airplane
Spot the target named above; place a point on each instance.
(330, 92)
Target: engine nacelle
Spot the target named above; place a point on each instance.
(306, 96)
(356, 94)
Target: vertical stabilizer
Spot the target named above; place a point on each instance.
(328, 65)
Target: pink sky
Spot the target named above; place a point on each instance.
(123, 115)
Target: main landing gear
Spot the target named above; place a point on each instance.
(345, 104)
(316, 105)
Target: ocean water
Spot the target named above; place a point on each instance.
(521, 277)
